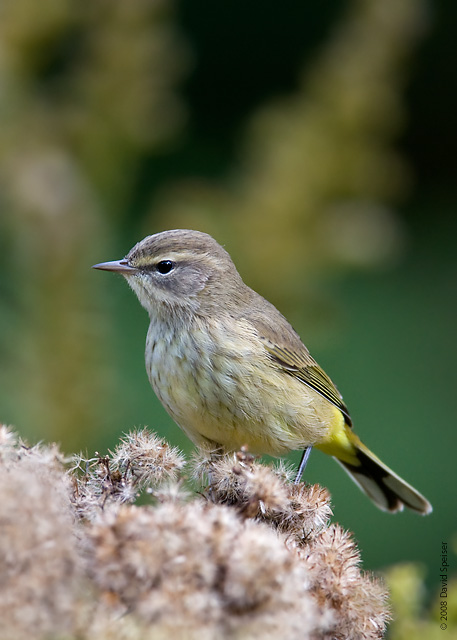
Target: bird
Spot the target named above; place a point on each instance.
(232, 372)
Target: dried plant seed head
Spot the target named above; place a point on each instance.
(180, 567)
(141, 462)
(149, 459)
(357, 601)
(200, 567)
(40, 560)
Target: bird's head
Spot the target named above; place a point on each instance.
(180, 270)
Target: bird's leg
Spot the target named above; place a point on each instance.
(302, 465)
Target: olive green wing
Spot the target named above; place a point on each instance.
(287, 350)
(303, 367)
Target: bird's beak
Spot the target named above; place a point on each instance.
(119, 266)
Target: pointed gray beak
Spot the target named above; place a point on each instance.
(118, 266)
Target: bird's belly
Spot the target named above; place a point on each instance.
(234, 397)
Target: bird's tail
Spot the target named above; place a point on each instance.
(388, 491)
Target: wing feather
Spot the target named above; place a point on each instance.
(303, 367)
(287, 351)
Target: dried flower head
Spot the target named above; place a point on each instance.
(39, 560)
(357, 600)
(199, 567)
(261, 563)
(237, 480)
(8, 438)
(266, 493)
(141, 461)
(147, 458)
(306, 513)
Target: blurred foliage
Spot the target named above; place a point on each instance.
(96, 80)
(86, 89)
(410, 617)
(318, 168)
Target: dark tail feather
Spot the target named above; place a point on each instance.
(383, 486)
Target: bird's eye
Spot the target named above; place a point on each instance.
(165, 266)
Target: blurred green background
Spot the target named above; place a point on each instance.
(316, 141)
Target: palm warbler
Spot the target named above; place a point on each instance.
(232, 372)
